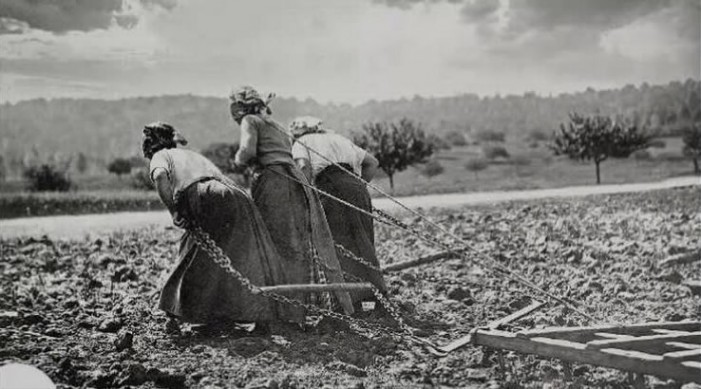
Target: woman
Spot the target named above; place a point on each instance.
(291, 210)
(197, 194)
(324, 165)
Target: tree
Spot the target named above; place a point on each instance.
(138, 162)
(596, 138)
(692, 145)
(47, 177)
(119, 166)
(222, 155)
(476, 165)
(395, 145)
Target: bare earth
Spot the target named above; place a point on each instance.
(72, 226)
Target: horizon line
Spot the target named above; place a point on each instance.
(331, 102)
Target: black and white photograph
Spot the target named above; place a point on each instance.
(363, 194)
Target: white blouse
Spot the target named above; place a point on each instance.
(333, 147)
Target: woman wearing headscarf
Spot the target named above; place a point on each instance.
(197, 194)
(291, 210)
(323, 155)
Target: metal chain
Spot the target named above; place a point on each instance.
(385, 301)
(319, 276)
(493, 265)
(398, 223)
(208, 245)
(488, 263)
(362, 261)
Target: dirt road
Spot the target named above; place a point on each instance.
(70, 227)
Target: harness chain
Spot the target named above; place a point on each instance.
(388, 304)
(324, 298)
(220, 258)
(490, 264)
(507, 272)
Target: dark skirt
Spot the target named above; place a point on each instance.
(199, 290)
(351, 229)
(295, 219)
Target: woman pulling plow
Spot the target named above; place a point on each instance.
(291, 211)
(197, 194)
(323, 155)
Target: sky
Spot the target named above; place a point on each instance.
(342, 50)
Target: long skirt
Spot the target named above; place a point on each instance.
(351, 229)
(297, 225)
(199, 290)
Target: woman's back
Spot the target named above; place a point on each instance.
(274, 144)
(184, 167)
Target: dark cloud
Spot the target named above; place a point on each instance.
(524, 16)
(599, 14)
(479, 10)
(72, 15)
(536, 30)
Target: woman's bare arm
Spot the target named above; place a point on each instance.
(248, 143)
(369, 167)
(165, 191)
(306, 167)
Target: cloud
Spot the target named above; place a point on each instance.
(75, 15)
(591, 14)
(12, 26)
(351, 51)
(479, 10)
(527, 16)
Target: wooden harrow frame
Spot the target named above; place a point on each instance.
(664, 349)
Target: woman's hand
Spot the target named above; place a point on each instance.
(180, 221)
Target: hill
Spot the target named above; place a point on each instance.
(104, 129)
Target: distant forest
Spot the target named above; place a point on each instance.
(101, 130)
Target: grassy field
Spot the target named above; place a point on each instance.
(537, 168)
(526, 168)
(26, 204)
(68, 301)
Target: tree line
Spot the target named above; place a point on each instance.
(103, 130)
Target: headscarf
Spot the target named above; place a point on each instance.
(306, 125)
(249, 101)
(158, 136)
